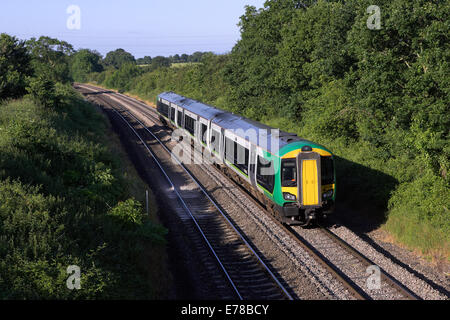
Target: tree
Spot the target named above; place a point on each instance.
(251, 71)
(196, 57)
(51, 57)
(160, 61)
(42, 90)
(118, 58)
(144, 61)
(85, 62)
(176, 58)
(184, 57)
(122, 79)
(14, 67)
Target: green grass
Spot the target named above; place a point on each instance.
(66, 198)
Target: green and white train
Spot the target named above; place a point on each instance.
(292, 177)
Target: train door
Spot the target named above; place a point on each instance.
(252, 166)
(180, 118)
(309, 182)
(208, 135)
(222, 144)
(203, 131)
(170, 112)
(175, 116)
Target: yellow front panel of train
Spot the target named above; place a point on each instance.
(310, 188)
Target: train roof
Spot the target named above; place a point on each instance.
(203, 110)
(239, 125)
(235, 123)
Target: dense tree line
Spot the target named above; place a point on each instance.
(380, 97)
(177, 58)
(14, 67)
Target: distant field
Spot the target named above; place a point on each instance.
(184, 64)
(174, 65)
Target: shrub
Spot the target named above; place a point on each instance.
(42, 90)
(57, 184)
(15, 67)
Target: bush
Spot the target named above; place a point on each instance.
(58, 183)
(123, 78)
(83, 63)
(127, 213)
(419, 214)
(15, 67)
(42, 90)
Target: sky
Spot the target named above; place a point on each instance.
(141, 27)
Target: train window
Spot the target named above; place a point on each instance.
(189, 124)
(237, 155)
(241, 158)
(289, 173)
(180, 118)
(229, 150)
(265, 174)
(163, 109)
(215, 140)
(204, 136)
(327, 170)
(172, 114)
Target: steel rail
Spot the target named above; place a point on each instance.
(185, 207)
(266, 268)
(385, 276)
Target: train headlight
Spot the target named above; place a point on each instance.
(289, 196)
(328, 194)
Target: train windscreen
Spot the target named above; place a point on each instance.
(289, 173)
(327, 170)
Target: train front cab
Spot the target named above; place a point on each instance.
(308, 186)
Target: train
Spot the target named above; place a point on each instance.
(293, 178)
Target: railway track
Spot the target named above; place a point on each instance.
(348, 266)
(248, 277)
(401, 291)
(361, 276)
